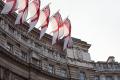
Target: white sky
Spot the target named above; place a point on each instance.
(94, 21)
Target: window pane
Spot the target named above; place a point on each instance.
(9, 46)
(11, 30)
(37, 45)
(50, 68)
(24, 55)
(35, 61)
(63, 72)
(97, 78)
(82, 76)
(24, 38)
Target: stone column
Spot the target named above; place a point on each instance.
(102, 77)
(115, 77)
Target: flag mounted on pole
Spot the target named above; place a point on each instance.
(56, 19)
(31, 9)
(45, 20)
(22, 12)
(60, 30)
(67, 34)
(34, 9)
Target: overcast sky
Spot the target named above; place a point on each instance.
(94, 21)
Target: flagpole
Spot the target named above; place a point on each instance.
(55, 13)
(46, 6)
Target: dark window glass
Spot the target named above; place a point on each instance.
(24, 55)
(63, 72)
(62, 56)
(24, 38)
(4, 35)
(97, 78)
(82, 76)
(17, 44)
(37, 45)
(9, 46)
(50, 68)
(35, 61)
(11, 29)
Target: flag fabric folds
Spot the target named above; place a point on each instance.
(56, 20)
(60, 30)
(67, 34)
(9, 7)
(29, 11)
(46, 14)
(22, 12)
(34, 9)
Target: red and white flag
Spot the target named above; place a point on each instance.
(34, 10)
(56, 20)
(60, 30)
(9, 7)
(45, 16)
(67, 34)
(22, 11)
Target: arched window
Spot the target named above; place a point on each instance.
(82, 76)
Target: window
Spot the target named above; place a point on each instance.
(35, 61)
(97, 78)
(50, 68)
(24, 55)
(54, 55)
(4, 35)
(17, 44)
(82, 76)
(63, 72)
(37, 45)
(31, 42)
(6, 74)
(105, 66)
(109, 78)
(18, 35)
(17, 53)
(9, 46)
(62, 56)
(11, 29)
(24, 38)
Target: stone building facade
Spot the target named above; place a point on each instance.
(24, 57)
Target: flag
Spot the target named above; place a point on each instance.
(22, 12)
(56, 20)
(60, 30)
(67, 34)
(46, 15)
(34, 9)
(9, 7)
